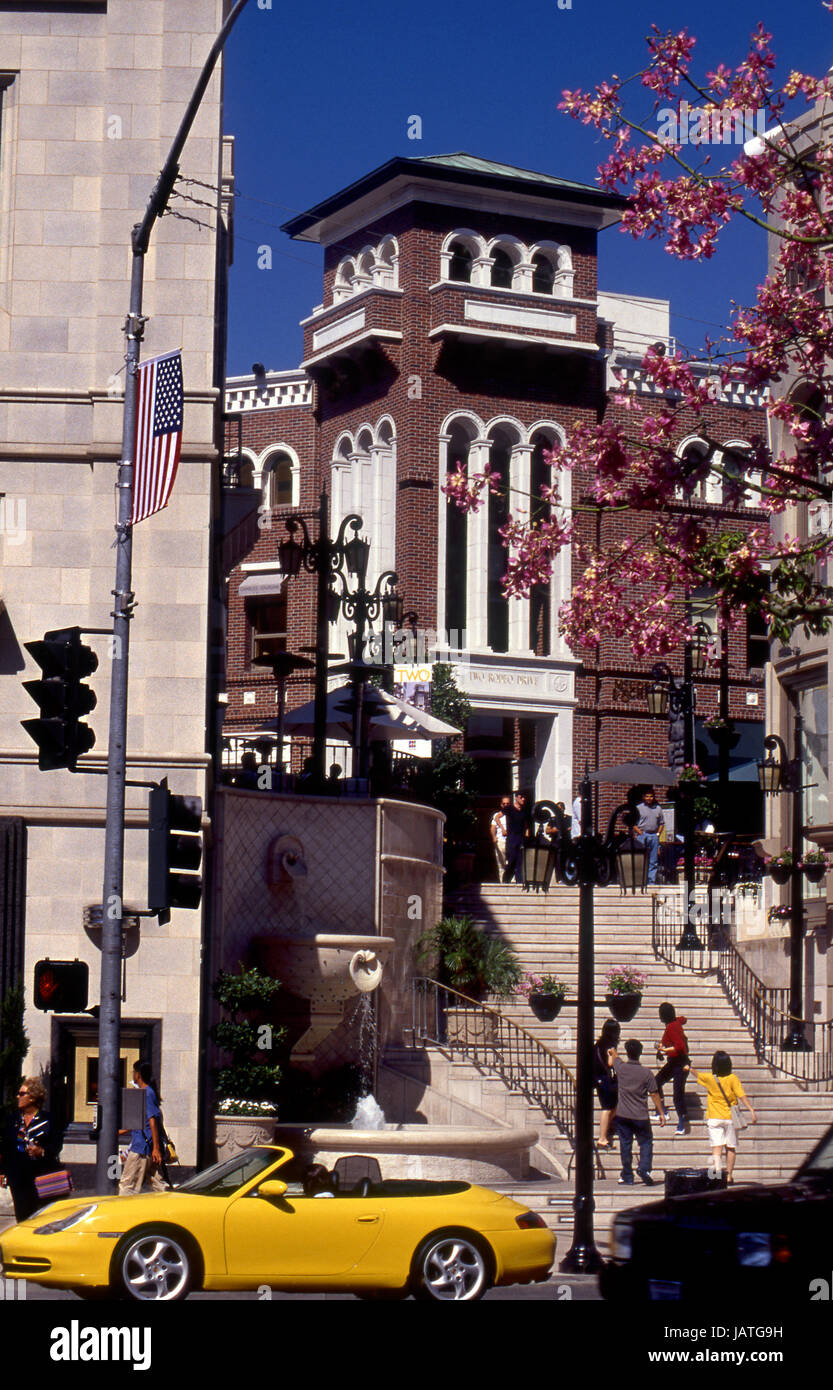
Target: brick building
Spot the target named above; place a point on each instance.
(461, 322)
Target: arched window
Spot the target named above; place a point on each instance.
(456, 532)
(502, 269)
(387, 264)
(694, 458)
(539, 511)
(459, 267)
(277, 480)
(497, 607)
(543, 274)
(733, 460)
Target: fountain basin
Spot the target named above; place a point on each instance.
(445, 1152)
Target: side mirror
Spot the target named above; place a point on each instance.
(273, 1187)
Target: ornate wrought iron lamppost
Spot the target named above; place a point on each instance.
(677, 699)
(363, 607)
(784, 775)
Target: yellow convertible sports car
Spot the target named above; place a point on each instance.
(259, 1219)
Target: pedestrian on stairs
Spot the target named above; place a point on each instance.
(604, 1078)
(636, 1084)
(724, 1092)
(673, 1053)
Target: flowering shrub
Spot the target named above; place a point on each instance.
(231, 1106)
(625, 979)
(632, 585)
(703, 861)
(542, 984)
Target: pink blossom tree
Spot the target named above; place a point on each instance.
(684, 192)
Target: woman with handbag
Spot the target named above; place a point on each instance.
(724, 1094)
(30, 1148)
(605, 1080)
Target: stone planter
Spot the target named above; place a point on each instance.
(546, 1007)
(233, 1134)
(623, 1007)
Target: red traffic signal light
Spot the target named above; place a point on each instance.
(62, 698)
(62, 986)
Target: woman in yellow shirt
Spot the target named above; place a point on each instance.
(724, 1091)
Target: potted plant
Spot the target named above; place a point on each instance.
(468, 960)
(545, 994)
(624, 991)
(815, 865)
(747, 888)
(690, 777)
(780, 866)
(779, 914)
(246, 1088)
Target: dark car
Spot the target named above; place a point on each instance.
(745, 1242)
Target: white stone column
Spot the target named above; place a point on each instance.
(519, 506)
(555, 764)
(477, 556)
(522, 279)
(561, 578)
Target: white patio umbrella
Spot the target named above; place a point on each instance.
(387, 717)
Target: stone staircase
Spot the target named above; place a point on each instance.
(543, 930)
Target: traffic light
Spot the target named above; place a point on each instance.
(62, 698)
(173, 844)
(62, 986)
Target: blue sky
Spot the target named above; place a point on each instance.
(318, 95)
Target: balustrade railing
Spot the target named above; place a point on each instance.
(764, 1009)
(448, 1019)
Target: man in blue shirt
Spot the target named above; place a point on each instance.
(145, 1152)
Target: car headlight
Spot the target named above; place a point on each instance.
(66, 1221)
(754, 1249)
(621, 1241)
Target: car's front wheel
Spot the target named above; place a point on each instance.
(154, 1266)
(451, 1266)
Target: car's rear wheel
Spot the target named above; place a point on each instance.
(451, 1266)
(155, 1266)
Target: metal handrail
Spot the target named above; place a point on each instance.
(764, 1009)
(449, 1019)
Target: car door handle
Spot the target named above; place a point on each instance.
(367, 1218)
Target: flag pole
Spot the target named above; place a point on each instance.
(112, 904)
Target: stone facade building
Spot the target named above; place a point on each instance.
(91, 97)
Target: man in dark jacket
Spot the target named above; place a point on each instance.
(518, 822)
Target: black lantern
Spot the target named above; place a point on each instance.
(393, 606)
(631, 866)
(770, 775)
(539, 865)
(658, 699)
(290, 554)
(701, 644)
(356, 554)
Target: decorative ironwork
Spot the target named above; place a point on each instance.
(448, 1019)
(762, 1008)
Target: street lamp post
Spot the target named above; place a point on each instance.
(583, 1256)
(333, 559)
(777, 776)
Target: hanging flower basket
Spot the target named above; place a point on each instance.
(546, 1007)
(625, 985)
(815, 865)
(623, 1007)
(780, 873)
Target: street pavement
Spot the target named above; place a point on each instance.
(559, 1288)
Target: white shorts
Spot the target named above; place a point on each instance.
(722, 1132)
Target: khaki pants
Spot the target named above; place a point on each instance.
(136, 1168)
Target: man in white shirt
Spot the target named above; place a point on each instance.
(497, 830)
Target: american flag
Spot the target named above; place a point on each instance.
(158, 433)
